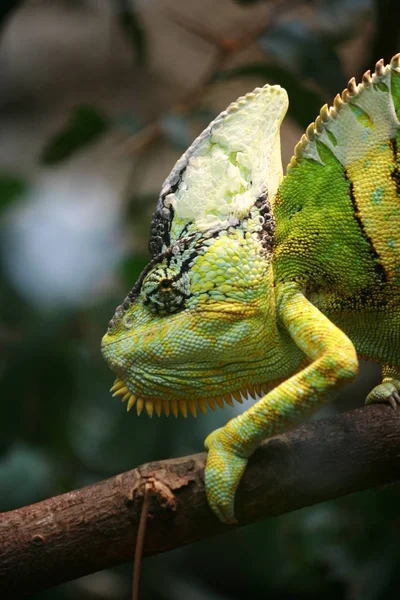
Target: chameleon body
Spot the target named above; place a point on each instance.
(268, 286)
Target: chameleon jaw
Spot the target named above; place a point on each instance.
(158, 405)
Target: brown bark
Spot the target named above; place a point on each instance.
(95, 527)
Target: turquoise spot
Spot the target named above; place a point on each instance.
(392, 243)
(377, 195)
(366, 164)
(383, 147)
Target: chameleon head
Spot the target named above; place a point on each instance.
(194, 329)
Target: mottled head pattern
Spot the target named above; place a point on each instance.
(192, 330)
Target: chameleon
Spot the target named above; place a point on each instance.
(267, 286)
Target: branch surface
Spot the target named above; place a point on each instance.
(94, 528)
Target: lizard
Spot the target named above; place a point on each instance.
(267, 286)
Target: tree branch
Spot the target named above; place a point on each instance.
(95, 527)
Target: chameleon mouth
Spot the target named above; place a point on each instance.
(158, 405)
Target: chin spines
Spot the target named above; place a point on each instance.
(159, 406)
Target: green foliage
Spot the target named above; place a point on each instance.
(24, 462)
(86, 124)
(131, 267)
(11, 188)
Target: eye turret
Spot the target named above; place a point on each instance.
(165, 290)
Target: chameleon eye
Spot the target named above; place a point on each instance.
(165, 290)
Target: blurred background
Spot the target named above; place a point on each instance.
(98, 99)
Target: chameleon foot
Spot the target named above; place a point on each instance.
(387, 391)
(223, 472)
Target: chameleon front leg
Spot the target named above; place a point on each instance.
(334, 362)
(389, 389)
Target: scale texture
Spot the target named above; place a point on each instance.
(269, 287)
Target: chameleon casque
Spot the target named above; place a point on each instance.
(266, 286)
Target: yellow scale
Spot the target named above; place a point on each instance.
(378, 204)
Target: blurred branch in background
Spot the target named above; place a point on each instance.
(224, 47)
(94, 528)
(132, 27)
(296, 40)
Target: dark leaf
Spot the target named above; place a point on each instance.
(11, 187)
(387, 31)
(304, 104)
(42, 354)
(85, 125)
(131, 268)
(7, 6)
(132, 28)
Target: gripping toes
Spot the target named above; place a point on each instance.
(387, 391)
(223, 472)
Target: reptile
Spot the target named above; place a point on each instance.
(265, 286)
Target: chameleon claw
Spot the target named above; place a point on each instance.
(394, 400)
(388, 391)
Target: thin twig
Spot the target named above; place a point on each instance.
(139, 541)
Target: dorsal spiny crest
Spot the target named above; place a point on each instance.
(366, 111)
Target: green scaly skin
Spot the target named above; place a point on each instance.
(256, 279)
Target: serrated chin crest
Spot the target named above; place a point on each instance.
(159, 406)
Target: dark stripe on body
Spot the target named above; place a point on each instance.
(395, 174)
(379, 268)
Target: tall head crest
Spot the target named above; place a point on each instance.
(231, 164)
